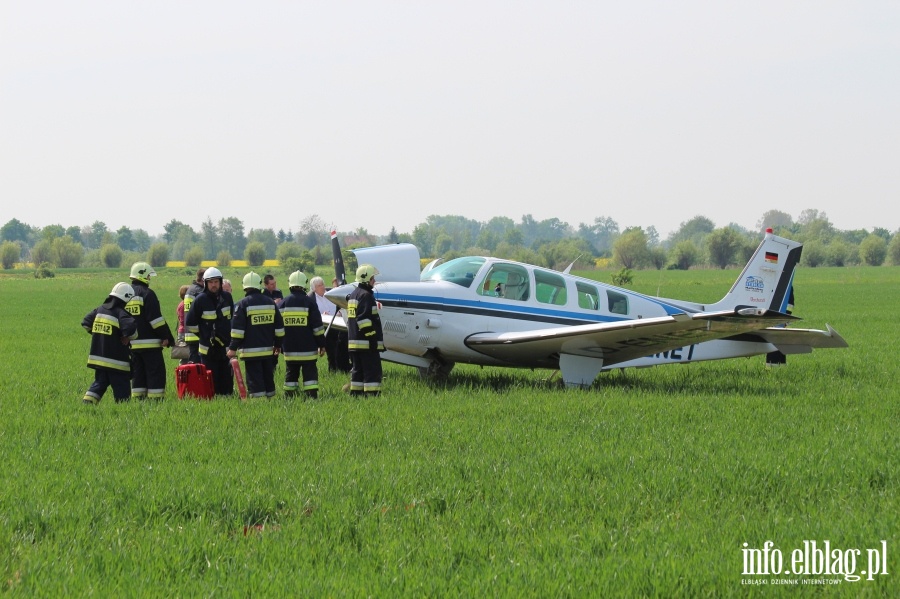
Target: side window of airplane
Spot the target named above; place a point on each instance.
(507, 281)
(618, 302)
(549, 288)
(588, 296)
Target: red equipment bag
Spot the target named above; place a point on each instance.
(195, 380)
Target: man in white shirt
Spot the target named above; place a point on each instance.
(335, 341)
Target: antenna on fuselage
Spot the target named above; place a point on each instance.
(569, 267)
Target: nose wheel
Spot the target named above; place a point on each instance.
(436, 371)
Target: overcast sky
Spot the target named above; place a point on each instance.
(377, 114)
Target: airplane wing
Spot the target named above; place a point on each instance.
(800, 341)
(334, 321)
(621, 341)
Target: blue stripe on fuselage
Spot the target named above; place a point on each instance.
(496, 309)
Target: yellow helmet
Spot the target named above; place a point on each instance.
(252, 281)
(142, 272)
(298, 279)
(365, 273)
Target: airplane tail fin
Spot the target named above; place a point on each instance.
(767, 279)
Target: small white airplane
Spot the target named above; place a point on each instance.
(495, 312)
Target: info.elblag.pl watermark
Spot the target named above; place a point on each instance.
(813, 562)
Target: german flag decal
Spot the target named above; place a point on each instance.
(772, 257)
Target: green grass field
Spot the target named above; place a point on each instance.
(497, 483)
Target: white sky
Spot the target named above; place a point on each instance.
(377, 114)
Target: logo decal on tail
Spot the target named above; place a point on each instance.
(755, 284)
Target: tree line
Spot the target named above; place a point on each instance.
(551, 243)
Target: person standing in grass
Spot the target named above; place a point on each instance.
(197, 286)
(209, 320)
(304, 338)
(179, 313)
(365, 339)
(257, 331)
(111, 328)
(335, 340)
(148, 373)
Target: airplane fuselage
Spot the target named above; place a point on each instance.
(433, 319)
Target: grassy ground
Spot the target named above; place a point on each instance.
(497, 483)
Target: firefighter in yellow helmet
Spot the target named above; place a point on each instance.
(364, 334)
(148, 375)
(304, 338)
(257, 330)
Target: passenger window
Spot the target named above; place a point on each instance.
(588, 296)
(507, 281)
(618, 303)
(549, 288)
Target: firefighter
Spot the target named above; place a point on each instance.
(148, 375)
(365, 338)
(111, 328)
(197, 287)
(209, 319)
(304, 338)
(257, 330)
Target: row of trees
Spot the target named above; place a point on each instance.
(551, 242)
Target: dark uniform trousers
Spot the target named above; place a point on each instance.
(260, 374)
(216, 361)
(148, 373)
(365, 372)
(119, 380)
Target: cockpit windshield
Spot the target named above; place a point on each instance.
(460, 271)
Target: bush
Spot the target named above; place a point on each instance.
(255, 254)
(44, 271)
(67, 252)
(813, 253)
(224, 258)
(194, 256)
(158, 254)
(894, 250)
(42, 252)
(292, 264)
(288, 250)
(657, 257)
(623, 277)
(873, 250)
(838, 252)
(10, 252)
(111, 255)
(684, 255)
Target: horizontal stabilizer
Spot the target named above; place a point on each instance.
(806, 338)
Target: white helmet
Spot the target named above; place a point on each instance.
(123, 291)
(212, 273)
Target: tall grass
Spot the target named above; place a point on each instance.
(498, 482)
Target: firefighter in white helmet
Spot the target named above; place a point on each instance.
(111, 328)
(365, 339)
(210, 320)
(304, 338)
(197, 286)
(148, 375)
(257, 331)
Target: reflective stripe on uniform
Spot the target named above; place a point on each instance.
(108, 363)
